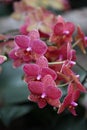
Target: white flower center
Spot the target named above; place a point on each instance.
(38, 77)
(28, 49)
(43, 95)
(66, 32)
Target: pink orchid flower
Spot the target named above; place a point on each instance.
(70, 101)
(45, 92)
(28, 48)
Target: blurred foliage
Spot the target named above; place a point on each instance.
(5, 9)
(58, 4)
(13, 93)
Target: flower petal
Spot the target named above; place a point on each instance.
(34, 34)
(39, 47)
(2, 59)
(36, 87)
(12, 54)
(69, 26)
(42, 103)
(48, 71)
(22, 41)
(31, 69)
(53, 92)
(42, 62)
(33, 97)
(67, 101)
(48, 80)
(53, 102)
(58, 29)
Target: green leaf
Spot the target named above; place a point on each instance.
(12, 87)
(69, 122)
(9, 113)
(13, 90)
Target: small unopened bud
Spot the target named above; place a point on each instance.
(2, 59)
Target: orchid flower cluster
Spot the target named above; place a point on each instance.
(45, 50)
(47, 65)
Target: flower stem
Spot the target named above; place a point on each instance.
(76, 43)
(63, 85)
(58, 62)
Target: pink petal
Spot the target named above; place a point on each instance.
(69, 51)
(73, 111)
(60, 19)
(2, 59)
(71, 88)
(39, 47)
(27, 58)
(12, 54)
(53, 92)
(58, 29)
(42, 62)
(19, 53)
(76, 95)
(33, 97)
(31, 69)
(48, 80)
(69, 27)
(53, 102)
(23, 29)
(17, 63)
(81, 87)
(48, 71)
(61, 109)
(67, 101)
(36, 87)
(42, 103)
(22, 41)
(34, 34)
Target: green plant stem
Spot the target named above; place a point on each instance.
(54, 63)
(76, 43)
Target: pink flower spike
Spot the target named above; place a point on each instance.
(2, 59)
(22, 41)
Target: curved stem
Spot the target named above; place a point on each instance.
(76, 43)
(63, 85)
(54, 63)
